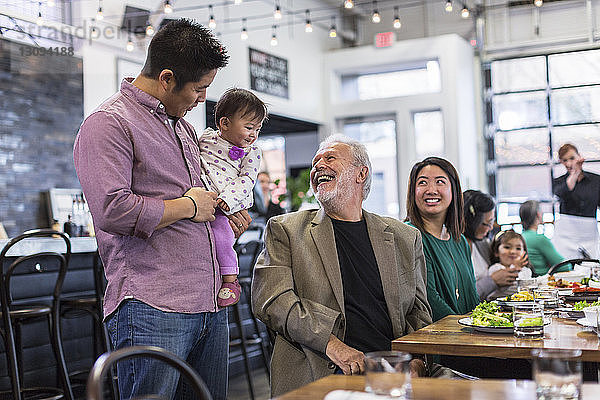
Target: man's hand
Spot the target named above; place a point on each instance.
(350, 360)
(505, 276)
(239, 222)
(222, 205)
(205, 204)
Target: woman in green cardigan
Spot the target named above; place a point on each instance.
(435, 207)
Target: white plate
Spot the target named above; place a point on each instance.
(488, 329)
(584, 322)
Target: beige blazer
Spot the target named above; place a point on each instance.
(297, 289)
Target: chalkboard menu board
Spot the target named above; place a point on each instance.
(268, 73)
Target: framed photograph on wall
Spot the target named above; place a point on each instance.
(127, 68)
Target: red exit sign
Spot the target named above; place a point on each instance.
(384, 39)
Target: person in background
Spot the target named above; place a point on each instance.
(480, 213)
(139, 167)
(231, 162)
(337, 282)
(542, 254)
(576, 229)
(435, 207)
(508, 248)
(263, 207)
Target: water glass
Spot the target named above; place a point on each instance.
(526, 285)
(528, 321)
(547, 298)
(557, 374)
(388, 374)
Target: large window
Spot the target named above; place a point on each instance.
(534, 105)
(378, 134)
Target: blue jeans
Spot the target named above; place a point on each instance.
(201, 339)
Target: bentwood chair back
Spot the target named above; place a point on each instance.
(18, 308)
(573, 262)
(95, 383)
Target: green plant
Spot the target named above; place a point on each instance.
(298, 190)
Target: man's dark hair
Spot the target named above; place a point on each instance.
(240, 101)
(186, 48)
(564, 149)
(476, 205)
(455, 220)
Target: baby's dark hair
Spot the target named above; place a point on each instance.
(503, 237)
(240, 101)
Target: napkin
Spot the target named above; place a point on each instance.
(350, 395)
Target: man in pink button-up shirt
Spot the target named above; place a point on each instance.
(138, 165)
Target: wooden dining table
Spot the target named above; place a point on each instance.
(435, 389)
(448, 337)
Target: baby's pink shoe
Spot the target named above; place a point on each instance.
(229, 294)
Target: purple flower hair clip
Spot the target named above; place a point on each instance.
(235, 153)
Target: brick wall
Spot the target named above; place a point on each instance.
(41, 108)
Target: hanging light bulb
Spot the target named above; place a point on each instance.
(397, 23)
(236, 2)
(274, 41)
(244, 34)
(277, 12)
(538, 3)
(149, 29)
(308, 27)
(449, 6)
(95, 33)
(99, 15)
(39, 20)
(332, 30)
(212, 24)
(168, 8)
(130, 45)
(348, 4)
(51, 3)
(376, 18)
(465, 12)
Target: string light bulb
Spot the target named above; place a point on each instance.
(212, 24)
(167, 8)
(465, 12)
(332, 30)
(448, 7)
(308, 27)
(149, 29)
(348, 4)
(237, 2)
(397, 23)
(130, 45)
(244, 34)
(274, 41)
(538, 3)
(40, 20)
(50, 3)
(376, 18)
(277, 12)
(99, 15)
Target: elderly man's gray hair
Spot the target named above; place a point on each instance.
(359, 151)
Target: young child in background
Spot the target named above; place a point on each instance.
(231, 163)
(507, 247)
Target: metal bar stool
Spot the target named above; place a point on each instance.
(19, 312)
(248, 253)
(75, 307)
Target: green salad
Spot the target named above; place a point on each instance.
(488, 314)
(580, 305)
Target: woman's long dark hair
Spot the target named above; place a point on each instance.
(476, 205)
(455, 220)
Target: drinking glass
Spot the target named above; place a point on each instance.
(388, 374)
(557, 374)
(526, 285)
(528, 321)
(547, 298)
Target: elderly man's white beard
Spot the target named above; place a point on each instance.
(335, 200)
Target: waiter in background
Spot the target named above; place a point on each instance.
(576, 231)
